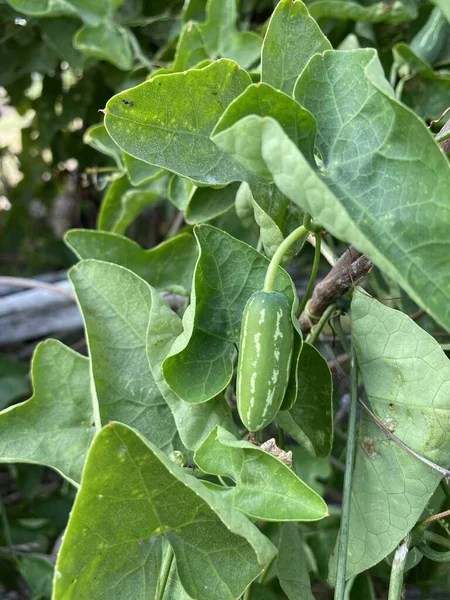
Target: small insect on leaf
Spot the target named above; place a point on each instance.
(127, 102)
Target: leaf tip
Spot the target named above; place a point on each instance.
(111, 424)
(105, 110)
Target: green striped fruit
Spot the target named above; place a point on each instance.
(267, 339)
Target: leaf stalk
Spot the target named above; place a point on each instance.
(278, 256)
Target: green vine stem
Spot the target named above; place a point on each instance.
(429, 536)
(315, 331)
(433, 554)
(398, 569)
(278, 256)
(442, 137)
(164, 576)
(313, 275)
(348, 588)
(339, 593)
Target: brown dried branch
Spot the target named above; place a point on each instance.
(346, 273)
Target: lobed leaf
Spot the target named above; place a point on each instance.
(55, 426)
(263, 100)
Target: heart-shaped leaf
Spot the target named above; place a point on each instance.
(261, 479)
(131, 497)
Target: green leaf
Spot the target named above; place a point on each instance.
(312, 470)
(179, 191)
(98, 138)
(424, 90)
(403, 174)
(263, 100)
(261, 480)
(407, 378)
(395, 12)
(131, 496)
(115, 304)
(208, 203)
(13, 380)
(244, 205)
(96, 12)
(171, 117)
(228, 271)
(310, 420)
(58, 34)
(218, 37)
(292, 37)
(191, 49)
(122, 204)
(291, 564)
(38, 573)
(44, 8)
(167, 267)
(106, 41)
(112, 206)
(362, 586)
(276, 216)
(55, 426)
(194, 421)
(138, 171)
(174, 590)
